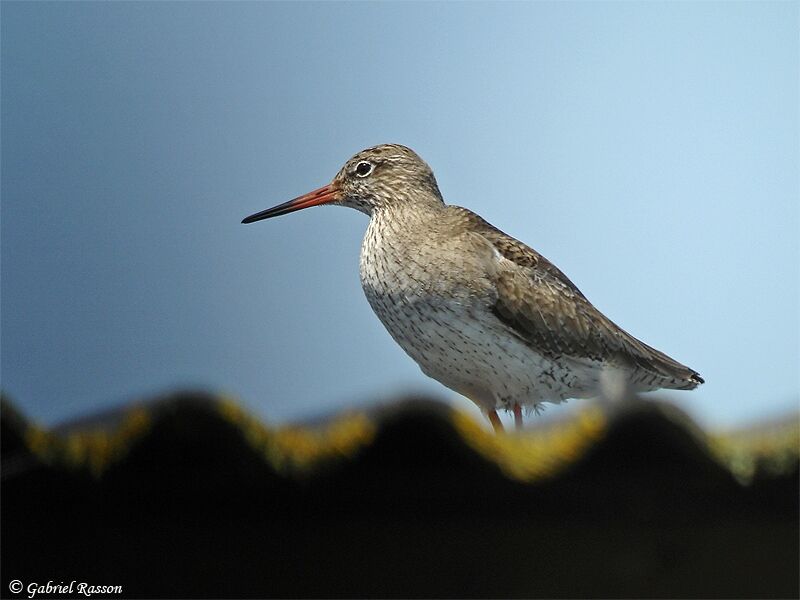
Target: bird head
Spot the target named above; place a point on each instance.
(374, 179)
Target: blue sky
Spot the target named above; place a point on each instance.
(650, 150)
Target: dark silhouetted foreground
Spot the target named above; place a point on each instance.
(191, 497)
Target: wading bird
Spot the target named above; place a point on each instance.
(478, 310)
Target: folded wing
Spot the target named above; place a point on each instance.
(541, 306)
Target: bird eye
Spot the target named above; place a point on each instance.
(364, 168)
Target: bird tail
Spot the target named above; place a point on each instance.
(657, 370)
(673, 375)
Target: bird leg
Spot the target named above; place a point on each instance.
(495, 421)
(518, 416)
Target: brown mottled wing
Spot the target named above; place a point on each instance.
(546, 310)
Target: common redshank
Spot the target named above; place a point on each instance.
(478, 310)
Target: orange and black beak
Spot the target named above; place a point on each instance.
(328, 193)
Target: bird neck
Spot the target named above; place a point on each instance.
(412, 209)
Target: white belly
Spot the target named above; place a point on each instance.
(465, 347)
(438, 311)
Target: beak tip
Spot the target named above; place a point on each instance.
(253, 218)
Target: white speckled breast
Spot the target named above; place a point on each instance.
(439, 311)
